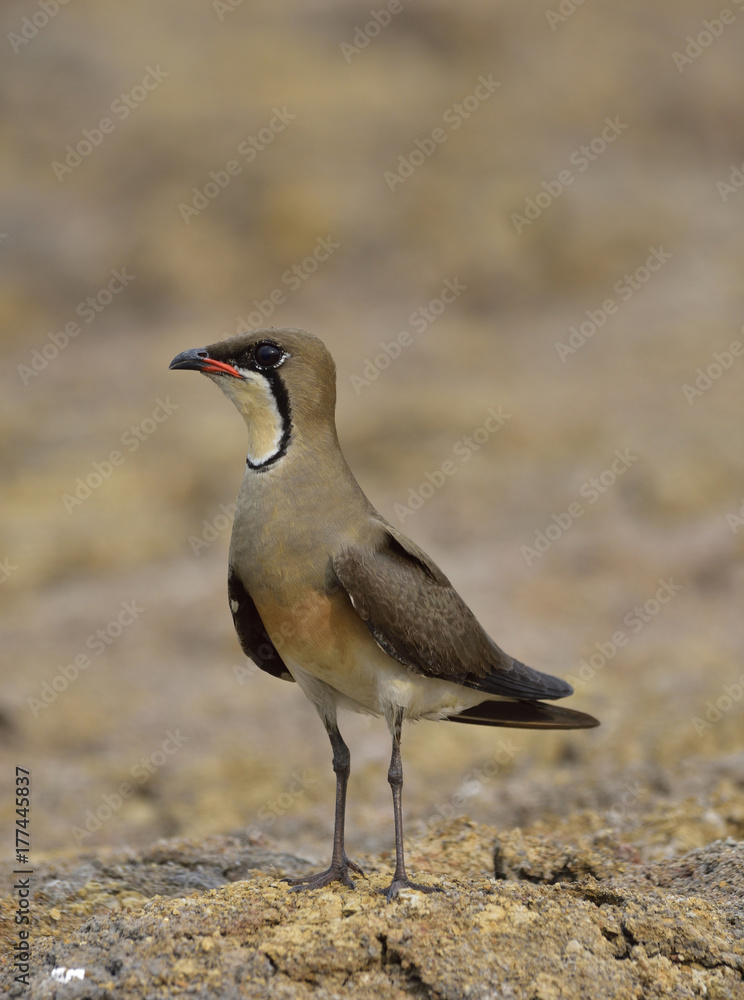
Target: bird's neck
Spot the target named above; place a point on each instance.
(301, 504)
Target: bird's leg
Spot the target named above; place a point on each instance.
(395, 779)
(338, 871)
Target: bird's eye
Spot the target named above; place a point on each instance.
(268, 355)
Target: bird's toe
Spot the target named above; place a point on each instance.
(334, 873)
(397, 884)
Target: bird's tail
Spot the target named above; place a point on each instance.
(524, 715)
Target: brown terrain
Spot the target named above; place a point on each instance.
(533, 210)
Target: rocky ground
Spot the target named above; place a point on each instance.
(563, 909)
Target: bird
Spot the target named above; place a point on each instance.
(325, 592)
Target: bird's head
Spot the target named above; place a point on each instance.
(283, 382)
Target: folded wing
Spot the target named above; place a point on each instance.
(417, 617)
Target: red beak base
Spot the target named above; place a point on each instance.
(210, 366)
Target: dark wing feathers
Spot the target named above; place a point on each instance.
(417, 617)
(253, 636)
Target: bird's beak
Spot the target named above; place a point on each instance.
(197, 359)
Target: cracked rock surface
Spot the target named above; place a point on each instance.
(537, 914)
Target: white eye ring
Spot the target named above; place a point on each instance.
(277, 358)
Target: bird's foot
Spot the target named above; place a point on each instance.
(404, 882)
(336, 872)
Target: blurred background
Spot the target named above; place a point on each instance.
(544, 203)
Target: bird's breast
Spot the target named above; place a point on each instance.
(321, 635)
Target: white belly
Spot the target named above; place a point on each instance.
(379, 685)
